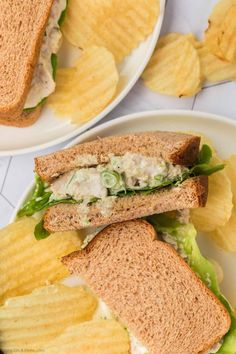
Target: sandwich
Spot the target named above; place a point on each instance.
(119, 178)
(169, 302)
(30, 39)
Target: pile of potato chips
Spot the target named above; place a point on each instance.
(218, 218)
(26, 263)
(106, 32)
(38, 314)
(181, 64)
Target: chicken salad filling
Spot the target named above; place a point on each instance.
(43, 82)
(103, 312)
(121, 176)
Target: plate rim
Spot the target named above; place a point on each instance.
(81, 129)
(129, 117)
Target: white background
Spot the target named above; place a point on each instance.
(181, 16)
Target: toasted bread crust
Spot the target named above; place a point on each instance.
(177, 148)
(20, 44)
(192, 193)
(24, 120)
(151, 289)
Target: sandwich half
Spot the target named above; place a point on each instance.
(120, 178)
(151, 290)
(30, 38)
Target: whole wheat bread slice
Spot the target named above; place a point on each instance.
(177, 148)
(151, 290)
(192, 193)
(24, 120)
(22, 27)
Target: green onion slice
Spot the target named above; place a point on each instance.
(110, 179)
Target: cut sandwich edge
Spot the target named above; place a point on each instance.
(25, 119)
(192, 193)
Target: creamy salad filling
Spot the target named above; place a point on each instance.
(122, 175)
(43, 83)
(103, 312)
(215, 348)
(130, 172)
(105, 179)
(136, 347)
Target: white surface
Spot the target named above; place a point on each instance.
(48, 130)
(220, 130)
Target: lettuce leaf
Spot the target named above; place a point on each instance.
(183, 236)
(40, 199)
(63, 15)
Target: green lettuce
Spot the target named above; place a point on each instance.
(63, 15)
(40, 200)
(184, 238)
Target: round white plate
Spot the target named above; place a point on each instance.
(220, 130)
(49, 130)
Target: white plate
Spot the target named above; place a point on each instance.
(49, 130)
(220, 130)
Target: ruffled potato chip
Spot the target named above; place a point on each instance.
(214, 28)
(26, 263)
(218, 209)
(117, 25)
(85, 90)
(213, 68)
(167, 39)
(174, 68)
(93, 337)
(29, 322)
(231, 172)
(225, 236)
(227, 36)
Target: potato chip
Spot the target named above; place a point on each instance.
(86, 89)
(231, 172)
(213, 68)
(173, 36)
(174, 68)
(26, 263)
(225, 236)
(218, 270)
(214, 28)
(117, 25)
(206, 140)
(227, 37)
(219, 204)
(167, 39)
(93, 337)
(29, 322)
